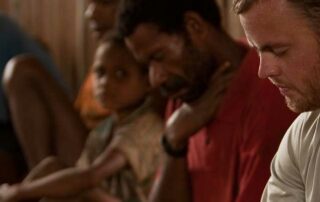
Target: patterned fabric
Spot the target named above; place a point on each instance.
(138, 138)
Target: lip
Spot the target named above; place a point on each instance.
(284, 91)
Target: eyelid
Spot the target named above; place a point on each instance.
(280, 50)
(275, 50)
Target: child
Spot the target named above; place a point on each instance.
(122, 153)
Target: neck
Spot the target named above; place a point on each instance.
(122, 115)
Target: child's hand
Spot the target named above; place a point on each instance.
(7, 193)
(191, 117)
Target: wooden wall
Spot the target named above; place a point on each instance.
(61, 25)
(230, 20)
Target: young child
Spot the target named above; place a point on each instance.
(121, 154)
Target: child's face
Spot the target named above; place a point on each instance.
(118, 80)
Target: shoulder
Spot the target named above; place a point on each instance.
(300, 135)
(292, 160)
(305, 127)
(149, 122)
(10, 30)
(101, 132)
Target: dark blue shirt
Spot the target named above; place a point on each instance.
(13, 41)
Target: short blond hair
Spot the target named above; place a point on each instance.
(310, 9)
(241, 6)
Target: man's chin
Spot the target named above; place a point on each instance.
(191, 95)
(299, 106)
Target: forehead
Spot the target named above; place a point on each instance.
(115, 53)
(273, 19)
(148, 38)
(143, 37)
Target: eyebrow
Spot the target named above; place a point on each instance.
(267, 47)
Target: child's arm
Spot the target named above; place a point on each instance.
(69, 182)
(99, 195)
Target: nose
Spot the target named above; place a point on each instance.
(102, 81)
(157, 74)
(268, 67)
(90, 11)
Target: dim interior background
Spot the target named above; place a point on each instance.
(61, 26)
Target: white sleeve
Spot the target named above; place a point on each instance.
(285, 183)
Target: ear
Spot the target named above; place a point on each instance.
(195, 25)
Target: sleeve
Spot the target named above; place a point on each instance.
(96, 142)
(285, 183)
(139, 141)
(264, 124)
(85, 158)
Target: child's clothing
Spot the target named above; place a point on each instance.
(138, 138)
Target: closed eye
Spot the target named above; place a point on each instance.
(275, 50)
(280, 51)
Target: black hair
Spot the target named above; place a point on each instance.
(168, 15)
(113, 38)
(117, 41)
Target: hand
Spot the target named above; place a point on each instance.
(7, 193)
(191, 117)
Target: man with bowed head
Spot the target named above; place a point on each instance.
(286, 35)
(224, 123)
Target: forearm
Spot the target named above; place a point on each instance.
(68, 182)
(173, 184)
(99, 195)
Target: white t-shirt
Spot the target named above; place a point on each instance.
(295, 169)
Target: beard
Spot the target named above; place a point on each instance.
(198, 68)
(309, 99)
(308, 102)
